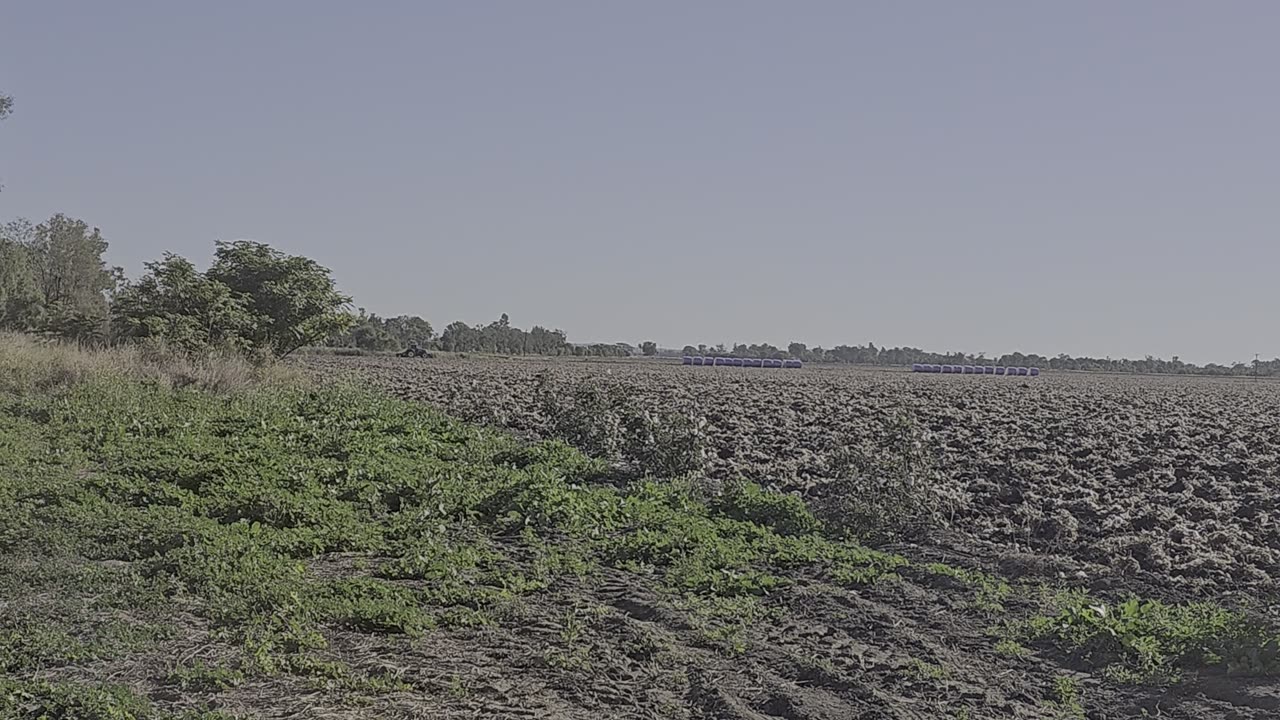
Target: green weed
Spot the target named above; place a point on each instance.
(1139, 641)
(1066, 697)
(990, 591)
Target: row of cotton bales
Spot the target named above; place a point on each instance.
(740, 362)
(975, 370)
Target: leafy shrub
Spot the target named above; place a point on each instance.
(886, 491)
(664, 444)
(601, 420)
(553, 454)
(786, 514)
(1150, 642)
(200, 677)
(45, 700)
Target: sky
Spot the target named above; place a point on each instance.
(1092, 178)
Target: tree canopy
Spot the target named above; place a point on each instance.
(183, 307)
(291, 299)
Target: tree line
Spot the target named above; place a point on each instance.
(902, 356)
(255, 300)
(500, 337)
(252, 299)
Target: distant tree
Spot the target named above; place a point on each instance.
(292, 299)
(797, 350)
(649, 348)
(373, 336)
(459, 337)
(689, 350)
(69, 268)
(406, 329)
(184, 308)
(19, 296)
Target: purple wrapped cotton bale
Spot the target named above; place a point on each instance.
(989, 370)
(1000, 370)
(1024, 371)
(793, 364)
(1033, 372)
(967, 369)
(686, 360)
(948, 369)
(737, 362)
(915, 367)
(695, 361)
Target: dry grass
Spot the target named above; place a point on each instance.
(31, 364)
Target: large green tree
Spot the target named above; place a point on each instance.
(292, 299)
(189, 311)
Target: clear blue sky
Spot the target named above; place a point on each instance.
(1083, 177)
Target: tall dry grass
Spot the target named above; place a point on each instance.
(33, 364)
